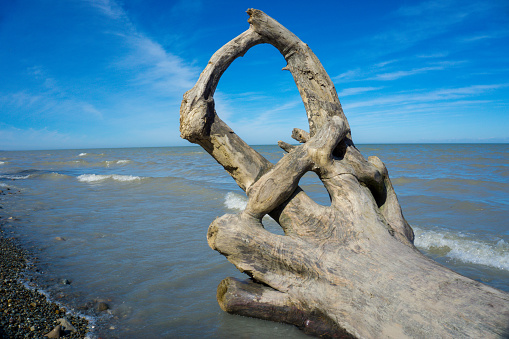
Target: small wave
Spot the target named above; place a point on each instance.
(109, 163)
(462, 248)
(235, 201)
(71, 311)
(238, 202)
(15, 176)
(66, 163)
(101, 177)
(84, 154)
(9, 187)
(54, 175)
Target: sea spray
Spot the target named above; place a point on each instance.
(235, 201)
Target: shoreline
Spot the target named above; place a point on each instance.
(129, 243)
(26, 312)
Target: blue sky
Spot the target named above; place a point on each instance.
(111, 73)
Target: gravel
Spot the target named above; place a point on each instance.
(25, 312)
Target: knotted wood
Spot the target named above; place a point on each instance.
(347, 270)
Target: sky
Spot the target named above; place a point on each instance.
(79, 74)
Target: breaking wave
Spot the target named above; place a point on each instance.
(461, 247)
(109, 163)
(90, 178)
(457, 246)
(235, 201)
(84, 154)
(15, 176)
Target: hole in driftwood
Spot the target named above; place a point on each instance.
(314, 187)
(263, 105)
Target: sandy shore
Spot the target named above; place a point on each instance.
(24, 312)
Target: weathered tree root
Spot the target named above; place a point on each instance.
(347, 270)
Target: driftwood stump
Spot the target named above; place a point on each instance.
(348, 270)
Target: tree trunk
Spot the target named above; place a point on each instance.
(348, 270)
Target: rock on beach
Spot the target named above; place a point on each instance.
(26, 313)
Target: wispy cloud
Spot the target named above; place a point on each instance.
(152, 65)
(272, 115)
(487, 35)
(385, 63)
(415, 24)
(109, 8)
(271, 123)
(425, 8)
(426, 96)
(356, 90)
(433, 55)
(231, 106)
(348, 75)
(50, 103)
(31, 138)
(157, 68)
(391, 70)
(400, 74)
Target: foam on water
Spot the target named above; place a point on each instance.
(460, 247)
(238, 203)
(84, 154)
(235, 201)
(455, 246)
(135, 231)
(2, 162)
(15, 176)
(91, 320)
(109, 163)
(101, 177)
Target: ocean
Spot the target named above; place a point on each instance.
(128, 226)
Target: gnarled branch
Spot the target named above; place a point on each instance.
(347, 270)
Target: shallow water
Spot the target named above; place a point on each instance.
(135, 221)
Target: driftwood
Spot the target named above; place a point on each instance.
(348, 270)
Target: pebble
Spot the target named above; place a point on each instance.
(55, 333)
(66, 325)
(26, 313)
(102, 306)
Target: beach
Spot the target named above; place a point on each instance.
(127, 227)
(24, 312)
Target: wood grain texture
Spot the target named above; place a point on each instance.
(342, 271)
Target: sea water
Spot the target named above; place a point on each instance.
(134, 224)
